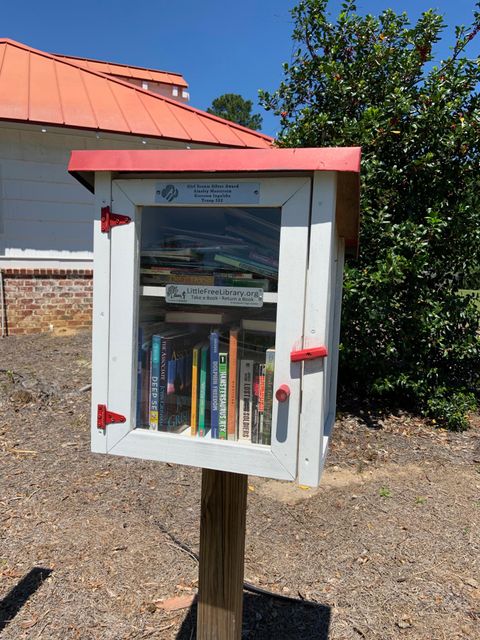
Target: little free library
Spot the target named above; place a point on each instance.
(216, 305)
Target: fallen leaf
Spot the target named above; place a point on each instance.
(175, 603)
(28, 624)
(406, 623)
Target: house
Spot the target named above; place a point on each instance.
(50, 105)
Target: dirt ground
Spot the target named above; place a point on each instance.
(387, 547)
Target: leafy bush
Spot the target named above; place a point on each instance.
(369, 81)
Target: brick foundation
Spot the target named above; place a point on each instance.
(43, 300)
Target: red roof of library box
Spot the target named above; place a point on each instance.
(39, 88)
(343, 160)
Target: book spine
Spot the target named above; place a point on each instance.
(271, 262)
(178, 391)
(155, 383)
(194, 401)
(243, 282)
(162, 385)
(261, 401)
(232, 386)
(147, 370)
(159, 278)
(255, 397)
(202, 395)
(214, 390)
(268, 406)
(165, 420)
(245, 400)
(246, 265)
(222, 395)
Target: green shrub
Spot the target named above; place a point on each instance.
(367, 81)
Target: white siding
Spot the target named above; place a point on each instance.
(46, 216)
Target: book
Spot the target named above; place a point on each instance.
(172, 411)
(243, 282)
(268, 403)
(194, 389)
(261, 402)
(245, 396)
(260, 257)
(214, 389)
(222, 394)
(176, 253)
(246, 264)
(255, 398)
(149, 277)
(178, 399)
(154, 383)
(202, 392)
(232, 385)
(146, 371)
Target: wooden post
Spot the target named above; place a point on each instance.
(222, 550)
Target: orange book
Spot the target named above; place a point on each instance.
(232, 386)
(194, 402)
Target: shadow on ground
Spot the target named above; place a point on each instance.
(11, 604)
(265, 618)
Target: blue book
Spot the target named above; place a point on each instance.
(214, 386)
(173, 409)
(154, 382)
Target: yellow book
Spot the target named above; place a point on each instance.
(194, 403)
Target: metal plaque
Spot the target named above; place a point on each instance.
(207, 193)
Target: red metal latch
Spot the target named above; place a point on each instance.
(109, 219)
(105, 417)
(309, 354)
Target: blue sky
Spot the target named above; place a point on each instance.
(220, 46)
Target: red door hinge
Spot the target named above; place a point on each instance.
(109, 219)
(105, 417)
(309, 354)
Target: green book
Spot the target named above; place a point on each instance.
(202, 391)
(222, 394)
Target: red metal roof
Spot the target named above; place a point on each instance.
(344, 159)
(36, 87)
(126, 71)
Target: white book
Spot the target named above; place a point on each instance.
(245, 395)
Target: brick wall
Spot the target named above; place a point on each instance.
(43, 300)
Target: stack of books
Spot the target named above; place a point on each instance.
(244, 255)
(210, 383)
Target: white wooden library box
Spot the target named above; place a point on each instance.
(216, 309)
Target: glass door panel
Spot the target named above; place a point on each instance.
(207, 321)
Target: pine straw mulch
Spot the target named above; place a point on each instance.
(387, 547)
